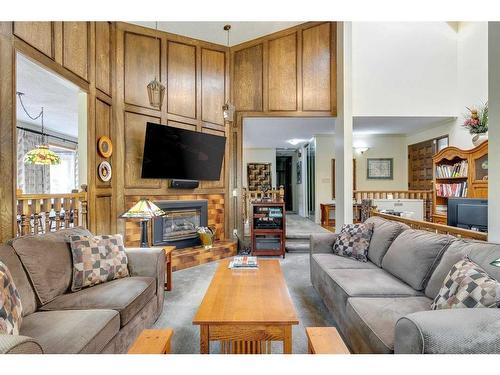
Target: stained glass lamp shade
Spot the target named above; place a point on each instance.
(42, 155)
(144, 210)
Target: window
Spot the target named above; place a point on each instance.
(64, 176)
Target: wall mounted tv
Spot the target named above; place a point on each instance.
(174, 153)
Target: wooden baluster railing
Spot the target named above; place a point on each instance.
(57, 210)
(67, 211)
(25, 218)
(35, 205)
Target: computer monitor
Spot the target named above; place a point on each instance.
(468, 213)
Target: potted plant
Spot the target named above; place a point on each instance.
(476, 121)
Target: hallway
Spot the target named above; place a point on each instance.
(298, 230)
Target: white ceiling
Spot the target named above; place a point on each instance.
(58, 97)
(260, 132)
(214, 32)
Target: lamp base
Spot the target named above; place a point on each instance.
(144, 233)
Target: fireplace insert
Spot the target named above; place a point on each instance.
(178, 227)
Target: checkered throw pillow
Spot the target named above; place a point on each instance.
(11, 309)
(97, 259)
(353, 241)
(467, 285)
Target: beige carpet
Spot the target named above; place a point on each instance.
(190, 286)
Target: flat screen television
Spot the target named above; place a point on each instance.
(468, 213)
(181, 154)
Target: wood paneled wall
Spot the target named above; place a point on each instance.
(196, 76)
(83, 53)
(293, 70)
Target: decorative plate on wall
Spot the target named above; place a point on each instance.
(104, 170)
(105, 147)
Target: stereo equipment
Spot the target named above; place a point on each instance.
(184, 184)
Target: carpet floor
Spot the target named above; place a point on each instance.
(190, 285)
(301, 227)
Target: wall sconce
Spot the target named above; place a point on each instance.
(360, 150)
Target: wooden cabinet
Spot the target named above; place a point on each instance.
(213, 90)
(103, 56)
(474, 178)
(293, 70)
(76, 54)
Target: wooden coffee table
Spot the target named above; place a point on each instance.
(325, 340)
(246, 310)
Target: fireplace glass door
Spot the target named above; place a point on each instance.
(181, 225)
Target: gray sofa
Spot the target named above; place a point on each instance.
(384, 305)
(105, 318)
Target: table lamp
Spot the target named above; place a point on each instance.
(143, 210)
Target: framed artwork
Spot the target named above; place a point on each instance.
(299, 172)
(104, 171)
(105, 147)
(379, 169)
(258, 175)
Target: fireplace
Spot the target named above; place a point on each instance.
(178, 226)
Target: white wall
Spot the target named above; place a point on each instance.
(472, 76)
(259, 155)
(404, 68)
(382, 146)
(325, 152)
(431, 133)
(301, 188)
(494, 133)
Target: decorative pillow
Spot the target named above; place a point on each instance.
(353, 241)
(467, 285)
(11, 309)
(97, 259)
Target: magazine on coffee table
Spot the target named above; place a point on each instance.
(244, 262)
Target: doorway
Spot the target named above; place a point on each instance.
(420, 173)
(311, 179)
(284, 178)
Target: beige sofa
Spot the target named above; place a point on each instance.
(105, 318)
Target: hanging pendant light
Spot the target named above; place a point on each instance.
(156, 90)
(41, 154)
(228, 108)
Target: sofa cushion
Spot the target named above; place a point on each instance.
(353, 241)
(72, 331)
(384, 233)
(47, 260)
(466, 286)
(483, 254)
(414, 254)
(372, 321)
(329, 261)
(9, 257)
(127, 296)
(11, 309)
(97, 259)
(457, 250)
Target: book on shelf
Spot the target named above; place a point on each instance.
(458, 190)
(244, 262)
(441, 209)
(459, 169)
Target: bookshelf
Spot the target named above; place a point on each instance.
(268, 228)
(458, 173)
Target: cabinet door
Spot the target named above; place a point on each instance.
(248, 70)
(76, 47)
(316, 68)
(37, 34)
(283, 73)
(213, 80)
(103, 56)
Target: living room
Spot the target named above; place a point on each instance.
(194, 186)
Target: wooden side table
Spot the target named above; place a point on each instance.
(168, 267)
(152, 341)
(325, 340)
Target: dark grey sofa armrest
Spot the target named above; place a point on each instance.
(322, 242)
(454, 331)
(16, 344)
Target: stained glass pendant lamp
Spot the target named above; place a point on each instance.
(156, 90)
(144, 210)
(41, 154)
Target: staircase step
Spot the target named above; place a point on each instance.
(297, 246)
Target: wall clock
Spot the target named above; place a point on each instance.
(104, 170)
(104, 146)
